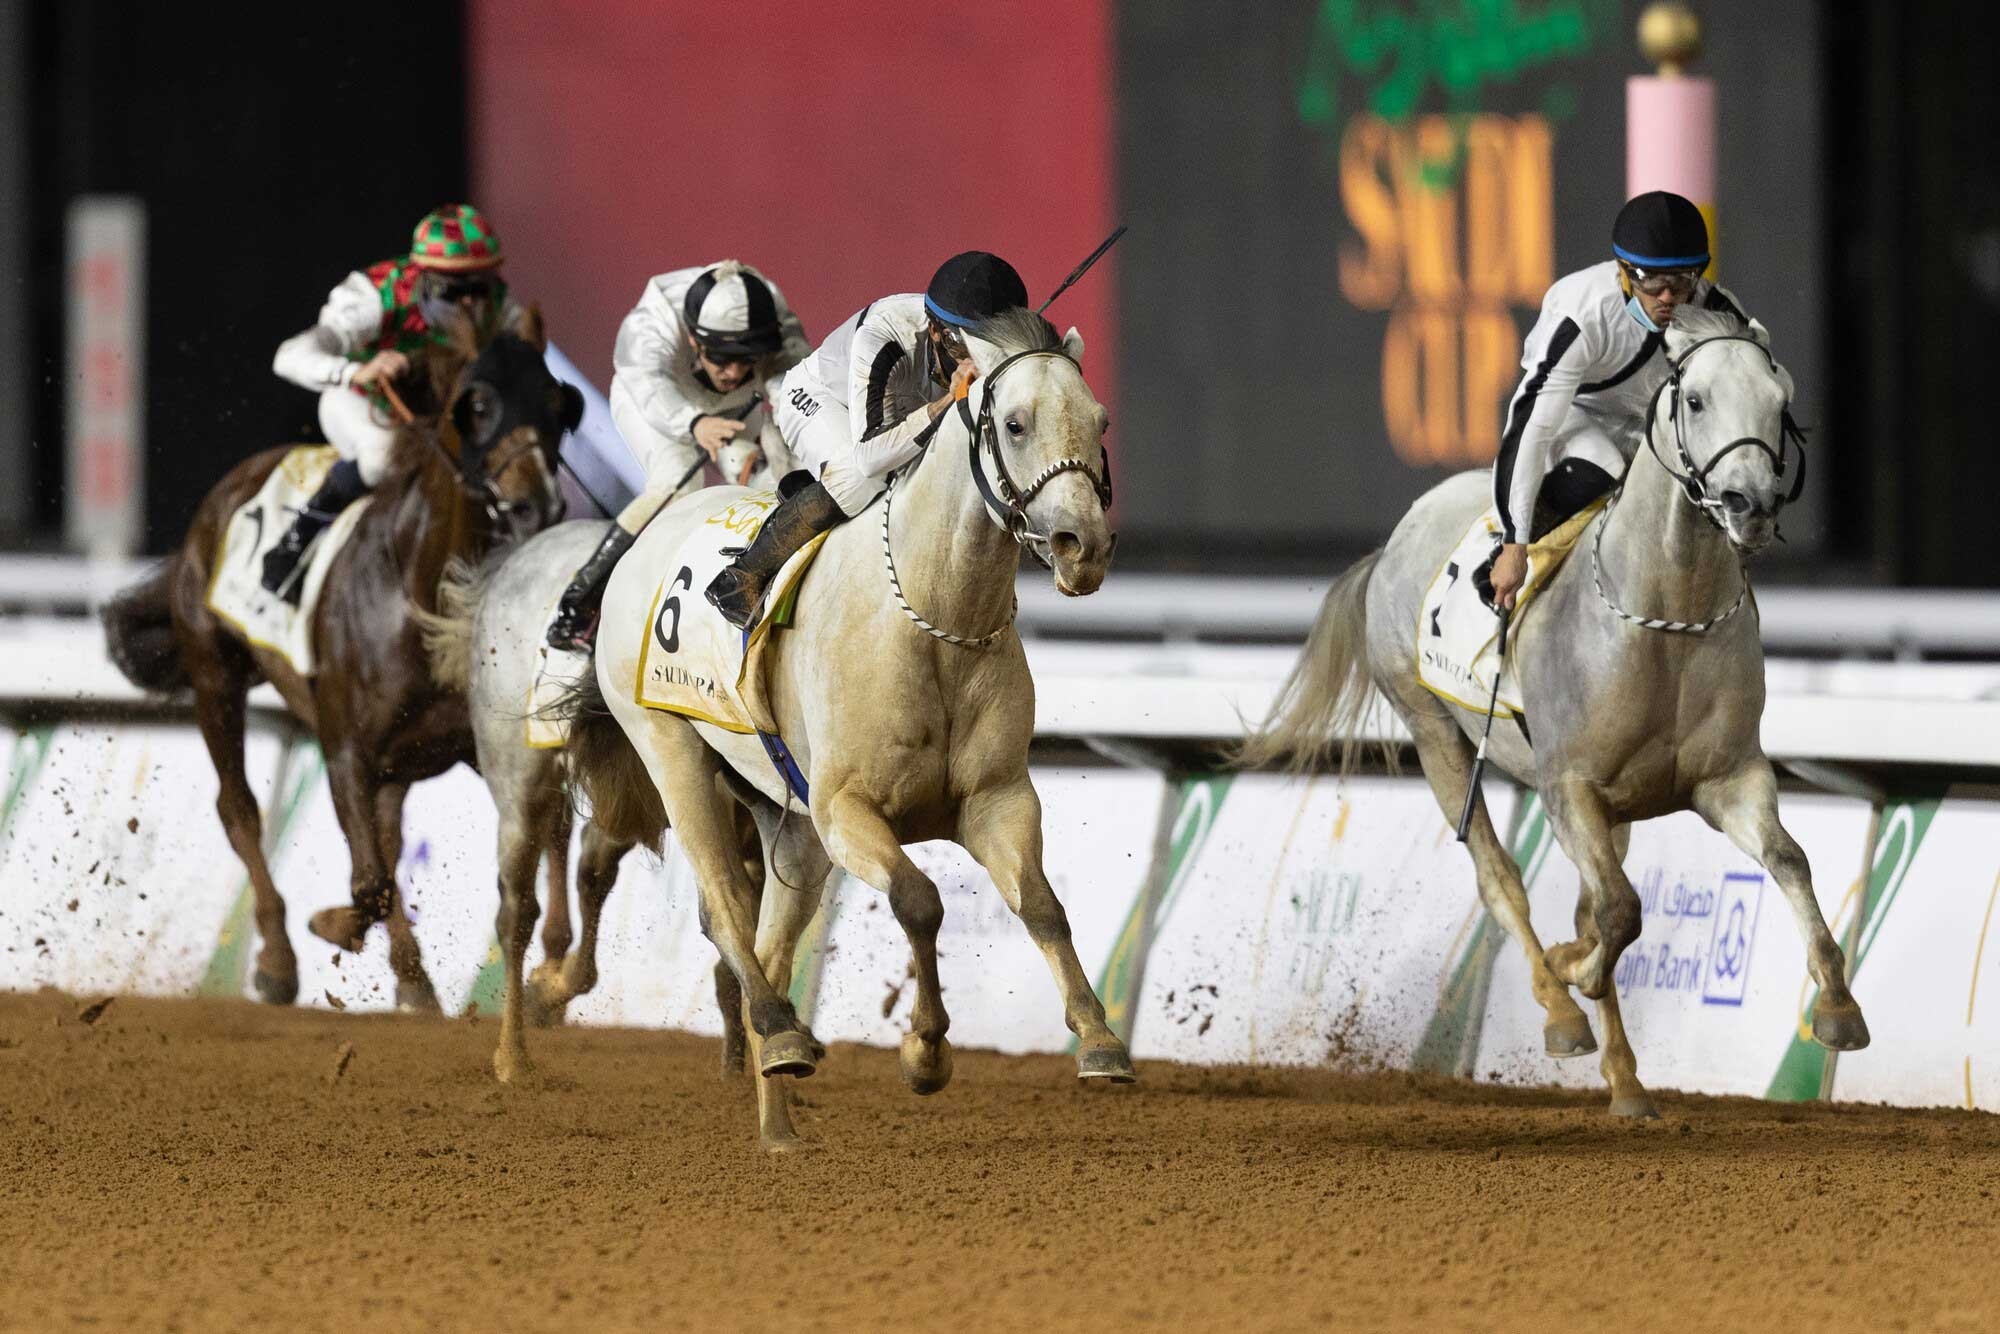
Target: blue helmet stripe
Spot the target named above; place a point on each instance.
(1651, 262)
(958, 320)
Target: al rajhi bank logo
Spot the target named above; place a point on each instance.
(1449, 217)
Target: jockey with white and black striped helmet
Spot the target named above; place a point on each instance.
(859, 408)
(371, 326)
(1590, 365)
(692, 372)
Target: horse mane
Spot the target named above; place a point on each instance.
(1691, 324)
(1018, 330)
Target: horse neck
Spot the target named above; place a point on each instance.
(956, 565)
(435, 520)
(1663, 556)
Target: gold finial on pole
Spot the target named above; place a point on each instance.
(1669, 36)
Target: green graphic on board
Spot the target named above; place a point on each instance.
(1450, 1044)
(1195, 801)
(1802, 1071)
(31, 752)
(299, 768)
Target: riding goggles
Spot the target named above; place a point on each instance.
(1657, 282)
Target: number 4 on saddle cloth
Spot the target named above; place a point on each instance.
(235, 592)
(693, 662)
(1457, 630)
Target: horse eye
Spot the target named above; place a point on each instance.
(1014, 426)
(1694, 402)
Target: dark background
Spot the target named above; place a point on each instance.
(275, 149)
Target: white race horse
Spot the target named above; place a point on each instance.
(904, 731)
(1641, 669)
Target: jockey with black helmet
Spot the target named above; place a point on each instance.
(693, 367)
(1593, 361)
(859, 408)
(368, 330)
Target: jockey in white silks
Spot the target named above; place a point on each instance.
(367, 331)
(1592, 363)
(695, 360)
(862, 406)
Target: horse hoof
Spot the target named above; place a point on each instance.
(417, 998)
(1839, 1027)
(926, 1066)
(1568, 1035)
(513, 1068)
(338, 926)
(1109, 1064)
(787, 1053)
(733, 1059)
(541, 1008)
(1638, 1106)
(784, 1144)
(275, 990)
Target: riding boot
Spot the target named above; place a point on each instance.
(739, 587)
(1570, 485)
(575, 626)
(342, 487)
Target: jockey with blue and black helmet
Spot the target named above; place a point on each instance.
(861, 407)
(1591, 364)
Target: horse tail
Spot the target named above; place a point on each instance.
(1323, 700)
(139, 631)
(447, 632)
(606, 768)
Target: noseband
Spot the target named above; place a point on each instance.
(1693, 478)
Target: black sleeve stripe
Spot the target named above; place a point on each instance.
(1717, 299)
(1517, 423)
(1645, 354)
(878, 388)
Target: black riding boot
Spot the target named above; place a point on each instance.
(738, 589)
(575, 626)
(342, 487)
(1570, 486)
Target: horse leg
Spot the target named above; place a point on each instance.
(1002, 828)
(371, 885)
(729, 1000)
(1745, 807)
(792, 852)
(413, 985)
(684, 773)
(596, 873)
(861, 842)
(1585, 830)
(1618, 1065)
(556, 932)
(219, 707)
(1446, 756)
(522, 837)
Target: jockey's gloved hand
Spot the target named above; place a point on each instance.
(1510, 571)
(712, 432)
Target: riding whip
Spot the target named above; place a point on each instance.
(1493, 703)
(1082, 268)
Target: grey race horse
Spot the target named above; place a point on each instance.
(1631, 719)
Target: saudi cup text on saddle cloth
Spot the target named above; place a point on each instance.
(693, 661)
(1457, 633)
(235, 591)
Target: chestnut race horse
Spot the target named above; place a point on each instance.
(475, 466)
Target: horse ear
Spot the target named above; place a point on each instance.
(529, 327)
(572, 407)
(1073, 345)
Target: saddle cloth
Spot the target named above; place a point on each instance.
(693, 661)
(1457, 632)
(234, 593)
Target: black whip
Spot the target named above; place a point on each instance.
(1479, 760)
(1082, 268)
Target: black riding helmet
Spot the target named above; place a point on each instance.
(1660, 231)
(972, 287)
(730, 311)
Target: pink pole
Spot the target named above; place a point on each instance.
(1670, 140)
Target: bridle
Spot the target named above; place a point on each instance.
(478, 483)
(1694, 483)
(1006, 502)
(1694, 480)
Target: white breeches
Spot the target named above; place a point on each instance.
(358, 430)
(817, 431)
(1608, 442)
(665, 460)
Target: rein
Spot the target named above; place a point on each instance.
(499, 511)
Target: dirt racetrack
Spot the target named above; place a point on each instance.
(195, 1165)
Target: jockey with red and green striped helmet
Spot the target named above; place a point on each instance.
(371, 326)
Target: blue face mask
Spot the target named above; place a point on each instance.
(1638, 312)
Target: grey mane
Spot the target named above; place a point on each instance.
(1018, 330)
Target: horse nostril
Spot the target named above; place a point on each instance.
(1736, 502)
(1066, 545)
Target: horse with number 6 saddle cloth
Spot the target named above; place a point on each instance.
(1458, 640)
(235, 594)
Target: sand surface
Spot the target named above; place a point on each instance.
(185, 1165)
